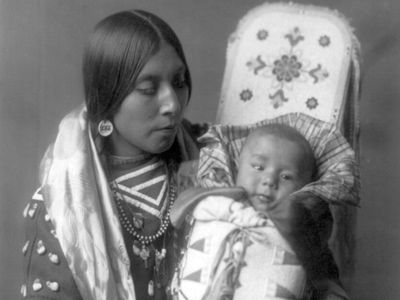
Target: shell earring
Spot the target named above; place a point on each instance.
(105, 128)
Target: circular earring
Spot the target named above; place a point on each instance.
(105, 128)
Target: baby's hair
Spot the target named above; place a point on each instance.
(286, 132)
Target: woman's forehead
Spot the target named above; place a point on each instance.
(164, 61)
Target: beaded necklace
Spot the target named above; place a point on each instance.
(144, 239)
(143, 244)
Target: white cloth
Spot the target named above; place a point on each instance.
(77, 198)
(229, 239)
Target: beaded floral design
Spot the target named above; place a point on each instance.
(312, 103)
(324, 41)
(246, 95)
(262, 34)
(287, 69)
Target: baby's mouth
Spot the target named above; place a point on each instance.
(263, 198)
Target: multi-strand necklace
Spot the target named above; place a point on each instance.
(143, 246)
(126, 223)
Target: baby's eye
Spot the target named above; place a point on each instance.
(286, 177)
(257, 167)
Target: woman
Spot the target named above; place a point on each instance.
(98, 226)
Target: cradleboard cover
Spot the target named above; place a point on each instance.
(223, 259)
(287, 58)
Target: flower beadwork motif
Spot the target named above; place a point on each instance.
(294, 36)
(287, 69)
(318, 73)
(278, 98)
(246, 95)
(262, 34)
(256, 64)
(312, 103)
(324, 41)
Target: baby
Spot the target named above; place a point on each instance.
(274, 163)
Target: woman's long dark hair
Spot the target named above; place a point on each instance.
(117, 51)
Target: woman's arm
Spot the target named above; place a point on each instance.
(45, 270)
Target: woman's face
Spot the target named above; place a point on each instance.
(148, 118)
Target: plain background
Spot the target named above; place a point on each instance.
(41, 44)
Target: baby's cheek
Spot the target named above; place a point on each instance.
(287, 190)
(240, 180)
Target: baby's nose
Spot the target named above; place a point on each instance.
(269, 181)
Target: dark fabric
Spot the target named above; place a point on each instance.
(305, 221)
(143, 274)
(37, 266)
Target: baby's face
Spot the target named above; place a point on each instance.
(270, 168)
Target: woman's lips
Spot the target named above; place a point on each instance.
(168, 126)
(169, 129)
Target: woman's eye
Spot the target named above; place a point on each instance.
(148, 92)
(147, 89)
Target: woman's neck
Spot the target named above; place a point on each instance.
(137, 160)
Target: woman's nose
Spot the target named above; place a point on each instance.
(169, 101)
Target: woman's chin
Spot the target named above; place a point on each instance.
(163, 145)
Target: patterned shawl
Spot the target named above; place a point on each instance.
(78, 200)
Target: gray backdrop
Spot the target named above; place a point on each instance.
(40, 53)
